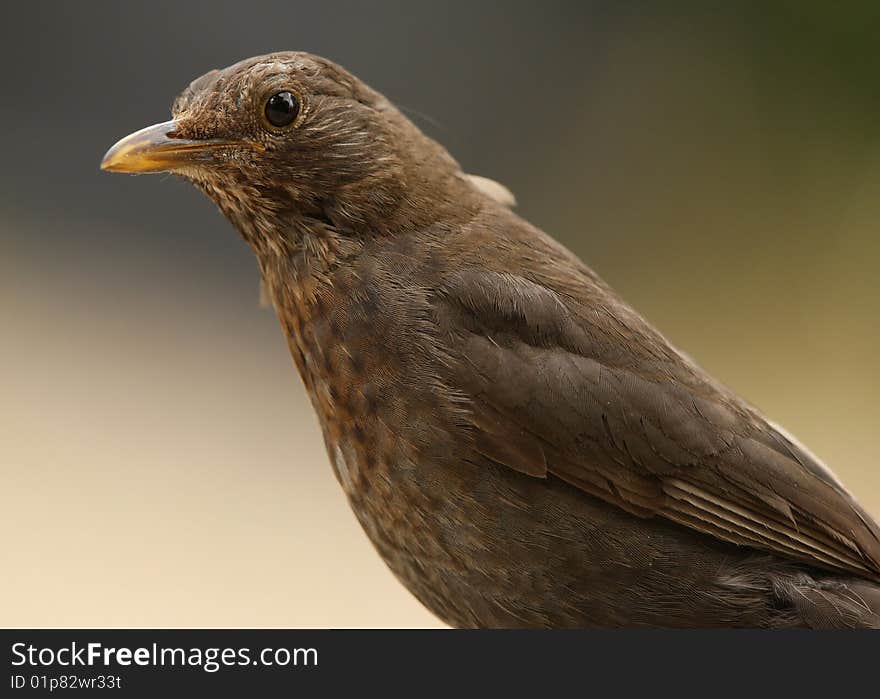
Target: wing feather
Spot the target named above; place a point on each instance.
(577, 386)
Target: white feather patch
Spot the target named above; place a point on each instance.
(493, 190)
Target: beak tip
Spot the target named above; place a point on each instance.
(114, 159)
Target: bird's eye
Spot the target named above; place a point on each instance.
(282, 108)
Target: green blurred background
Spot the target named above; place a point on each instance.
(159, 462)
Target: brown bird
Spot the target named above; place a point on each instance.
(522, 448)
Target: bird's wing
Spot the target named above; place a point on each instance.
(581, 387)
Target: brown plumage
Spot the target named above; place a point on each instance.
(522, 448)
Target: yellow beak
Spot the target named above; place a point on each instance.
(158, 148)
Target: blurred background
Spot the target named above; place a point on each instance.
(159, 462)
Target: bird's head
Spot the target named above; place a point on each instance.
(289, 141)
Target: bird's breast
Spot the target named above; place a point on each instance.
(388, 430)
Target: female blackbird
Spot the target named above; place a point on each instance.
(522, 448)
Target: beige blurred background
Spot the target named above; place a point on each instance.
(159, 462)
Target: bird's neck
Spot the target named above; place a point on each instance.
(299, 262)
(298, 282)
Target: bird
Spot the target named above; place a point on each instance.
(521, 447)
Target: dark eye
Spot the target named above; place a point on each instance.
(282, 108)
